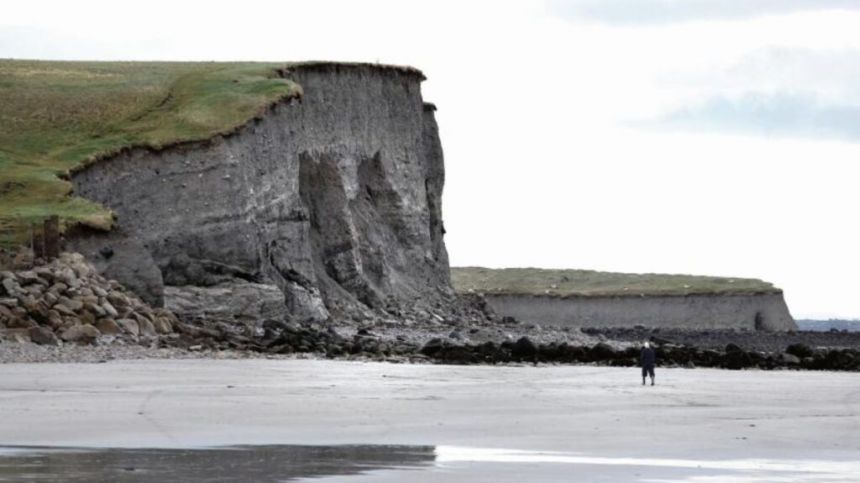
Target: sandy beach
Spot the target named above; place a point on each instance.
(486, 423)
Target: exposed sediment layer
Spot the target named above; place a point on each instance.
(334, 198)
(743, 311)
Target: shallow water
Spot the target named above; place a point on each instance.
(248, 463)
(380, 463)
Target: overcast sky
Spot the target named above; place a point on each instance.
(683, 136)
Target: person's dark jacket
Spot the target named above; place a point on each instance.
(647, 358)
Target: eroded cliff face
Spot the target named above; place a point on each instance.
(766, 311)
(335, 198)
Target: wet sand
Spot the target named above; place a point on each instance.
(547, 423)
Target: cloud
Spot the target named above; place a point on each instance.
(833, 75)
(783, 92)
(668, 11)
(830, 75)
(771, 115)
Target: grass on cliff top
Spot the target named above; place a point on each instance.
(588, 283)
(55, 116)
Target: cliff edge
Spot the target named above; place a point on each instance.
(332, 198)
(585, 298)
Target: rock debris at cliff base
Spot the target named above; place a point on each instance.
(67, 301)
(64, 311)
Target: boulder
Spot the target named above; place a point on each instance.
(130, 326)
(81, 334)
(433, 346)
(9, 302)
(11, 286)
(147, 328)
(63, 309)
(88, 317)
(736, 358)
(799, 350)
(68, 277)
(109, 308)
(108, 326)
(72, 304)
(524, 348)
(20, 323)
(45, 273)
(38, 311)
(28, 277)
(95, 309)
(733, 348)
(55, 320)
(117, 299)
(839, 360)
(89, 299)
(601, 352)
(43, 336)
(162, 325)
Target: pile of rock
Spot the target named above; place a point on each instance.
(67, 301)
(797, 356)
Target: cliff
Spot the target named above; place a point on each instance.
(333, 197)
(583, 298)
(752, 312)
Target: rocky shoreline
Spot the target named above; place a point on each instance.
(300, 341)
(63, 311)
(307, 342)
(573, 347)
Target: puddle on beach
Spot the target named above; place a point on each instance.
(248, 463)
(370, 462)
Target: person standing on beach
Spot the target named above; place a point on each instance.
(647, 359)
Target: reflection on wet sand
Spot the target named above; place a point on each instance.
(248, 463)
(660, 470)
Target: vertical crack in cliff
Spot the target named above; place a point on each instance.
(323, 191)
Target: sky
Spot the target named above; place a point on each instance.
(711, 137)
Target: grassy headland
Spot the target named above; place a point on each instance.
(588, 283)
(56, 116)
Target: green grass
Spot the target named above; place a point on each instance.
(59, 116)
(588, 283)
